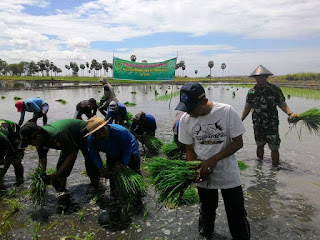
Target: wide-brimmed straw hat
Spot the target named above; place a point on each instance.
(94, 124)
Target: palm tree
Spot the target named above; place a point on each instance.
(144, 61)
(183, 68)
(93, 65)
(196, 72)
(105, 66)
(210, 65)
(67, 67)
(82, 66)
(223, 67)
(133, 58)
(42, 66)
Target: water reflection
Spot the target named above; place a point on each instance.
(16, 85)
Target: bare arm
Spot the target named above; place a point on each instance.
(191, 155)
(286, 109)
(230, 149)
(245, 113)
(67, 164)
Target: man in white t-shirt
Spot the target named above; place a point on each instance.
(212, 132)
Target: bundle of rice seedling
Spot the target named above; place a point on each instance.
(38, 191)
(171, 150)
(242, 165)
(309, 119)
(129, 121)
(129, 104)
(153, 145)
(171, 178)
(128, 183)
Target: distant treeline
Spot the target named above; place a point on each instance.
(300, 77)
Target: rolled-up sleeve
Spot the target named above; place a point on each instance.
(94, 152)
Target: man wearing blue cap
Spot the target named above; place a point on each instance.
(212, 132)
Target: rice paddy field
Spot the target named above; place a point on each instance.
(281, 203)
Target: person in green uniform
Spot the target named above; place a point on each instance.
(66, 135)
(9, 152)
(264, 98)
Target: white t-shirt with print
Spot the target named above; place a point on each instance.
(209, 135)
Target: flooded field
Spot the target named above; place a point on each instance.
(282, 204)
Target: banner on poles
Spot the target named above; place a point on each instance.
(127, 70)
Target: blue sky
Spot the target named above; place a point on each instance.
(279, 34)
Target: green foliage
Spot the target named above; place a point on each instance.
(167, 97)
(38, 186)
(13, 207)
(171, 150)
(133, 92)
(81, 215)
(129, 104)
(242, 165)
(129, 184)
(129, 121)
(301, 77)
(17, 98)
(153, 145)
(51, 171)
(3, 97)
(171, 178)
(61, 101)
(310, 119)
(5, 227)
(36, 228)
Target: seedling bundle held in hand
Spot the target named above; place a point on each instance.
(171, 178)
(309, 119)
(38, 191)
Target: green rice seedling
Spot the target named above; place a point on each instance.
(17, 98)
(242, 165)
(81, 215)
(167, 97)
(171, 178)
(153, 145)
(13, 207)
(309, 119)
(38, 186)
(5, 227)
(171, 150)
(3, 97)
(51, 171)
(61, 101)
(129, 184)
(145, 213)
(133, 92)
(36, 228)
(233, 94)
(129, 104)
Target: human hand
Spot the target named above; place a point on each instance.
(294, 118)
(207, 167)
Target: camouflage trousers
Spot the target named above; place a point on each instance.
(264, 135)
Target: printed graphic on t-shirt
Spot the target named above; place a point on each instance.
(209, 134)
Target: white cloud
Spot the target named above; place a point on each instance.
(116, 20)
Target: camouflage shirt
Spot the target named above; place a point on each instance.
(264, 101)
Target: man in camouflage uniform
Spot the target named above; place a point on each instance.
(264, 99)
(9, 152)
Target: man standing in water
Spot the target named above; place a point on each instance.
(264, 98)
(108, 95)
(212, 132)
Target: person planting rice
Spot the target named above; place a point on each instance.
(117, 112)
(9, 152)
(108, 95)
(87, 107)
(264, 99)
(144, 127)
(67, 135)
(38, 106)
(117, 142)
(212, 132)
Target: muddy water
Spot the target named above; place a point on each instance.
(281, 204)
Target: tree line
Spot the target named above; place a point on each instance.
(48, 68)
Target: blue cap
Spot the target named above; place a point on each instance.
(191, 95)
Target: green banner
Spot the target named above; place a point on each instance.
(127, 70)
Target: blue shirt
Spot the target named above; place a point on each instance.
(148, 125)
(121, 144)
(32, 105)
(122, 112)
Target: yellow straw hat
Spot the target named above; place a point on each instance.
(94, 124)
